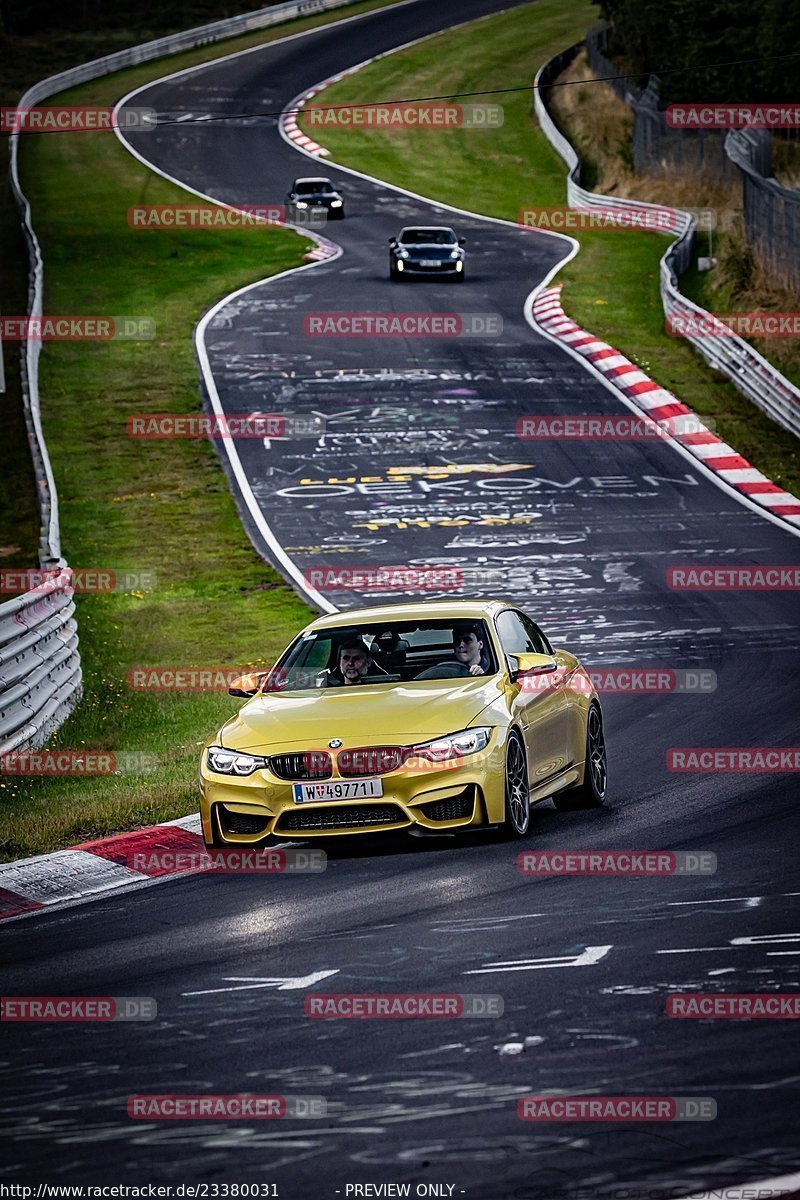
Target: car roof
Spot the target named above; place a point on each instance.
(427, 229)
(457, 610)
(312, 179)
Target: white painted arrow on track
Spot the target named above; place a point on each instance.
(247, 983)
(587, 958)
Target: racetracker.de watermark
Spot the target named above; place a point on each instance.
(381, 579)
(229, 861)
(603, 427)
(733, 759)
(215, 216)
(397, 1005)
(717, 577)
(660, 220)
(77, 329)
(144, 678)
(405, 116)
(402, 325)
(734, 1006)
(617, 862)
(248, 425)
(624, 680)
(734, 115)
(742, 324)
(244, 1107)
(78, 1008)
(616, 1108)
(75, 119)
(87, 580)
(78, 762)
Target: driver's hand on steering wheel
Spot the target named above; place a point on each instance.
(476, 669)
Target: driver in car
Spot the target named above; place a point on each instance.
(468, 649)
(354, 663)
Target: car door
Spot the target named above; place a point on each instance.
(539, 703)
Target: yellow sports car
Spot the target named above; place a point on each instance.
(433, 717)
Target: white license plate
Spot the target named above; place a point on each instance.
(350, 789)
(429, 262)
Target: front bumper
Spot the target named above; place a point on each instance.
(431, 797)
(447, 266)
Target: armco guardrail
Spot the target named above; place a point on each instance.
(726, 352)
(40, 669)
(40, 673)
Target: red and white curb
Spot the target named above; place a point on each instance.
(34, 884)
(288, 123)
(664, 407)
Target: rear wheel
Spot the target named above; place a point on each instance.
(518, 800)
(592, 791)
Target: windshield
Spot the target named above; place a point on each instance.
(311, 187)
(393, 652)
(428, 237)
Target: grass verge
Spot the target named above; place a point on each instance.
(157, 506)
(611, 287)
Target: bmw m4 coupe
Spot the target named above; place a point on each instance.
(431, 717)
(426, 251)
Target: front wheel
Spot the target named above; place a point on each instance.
(591, 793)
(518, 798)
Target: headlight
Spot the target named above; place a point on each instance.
(456, 253)
(231, 762)
(300, 204)
(403, 253)
(336, 204)
(455, 745)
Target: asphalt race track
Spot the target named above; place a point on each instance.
(581, 535)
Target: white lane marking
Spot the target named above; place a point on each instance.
(763, 1188)
(752, 901)
(280, 984)
(587, 958)
(758, 939)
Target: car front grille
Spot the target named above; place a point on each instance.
(454, 808)
(370, 760)
(306, 764)
(355, 817)
(237, 822)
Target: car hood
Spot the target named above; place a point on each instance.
(372, 715)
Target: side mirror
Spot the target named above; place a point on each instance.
(531, 664)
(245, 685)
(392, 241)
(462, 241)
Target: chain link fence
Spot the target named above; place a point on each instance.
(771, 212)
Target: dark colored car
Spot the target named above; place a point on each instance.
(426, 250)
(315, 193)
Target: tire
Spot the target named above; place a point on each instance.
(394, 274)
(591, 793)
(460, 277)
(518, 800)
